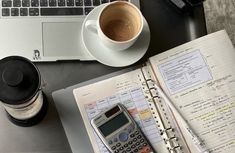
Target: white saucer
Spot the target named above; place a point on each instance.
(109, 57)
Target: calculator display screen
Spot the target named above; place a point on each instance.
(113, 124)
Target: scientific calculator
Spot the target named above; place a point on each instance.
(119, 132)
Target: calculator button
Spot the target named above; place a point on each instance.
(116, 151)
(136, 132)
(136, 150)
(145, 144)
(134, 139)
(139, 136)
(137, 143)
(124, 151)
(121, 148)
(133, 146)
(123, 136)
(110, 142)
(128, 149)
(132, 135)
(142, 140)
(139, 147)
(130, 142)
(113, 148)
(118, 144)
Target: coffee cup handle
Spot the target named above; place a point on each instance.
(91, 26)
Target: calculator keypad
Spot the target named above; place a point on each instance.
(130, 142)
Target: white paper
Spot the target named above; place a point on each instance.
(125, 89)
(206, 99)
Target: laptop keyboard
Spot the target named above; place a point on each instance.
(17, 8)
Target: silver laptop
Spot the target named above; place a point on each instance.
(45, 30)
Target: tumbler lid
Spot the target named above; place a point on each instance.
(19, 80)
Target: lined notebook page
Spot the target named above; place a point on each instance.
(126, 89)
(199, 77)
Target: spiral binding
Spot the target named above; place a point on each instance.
(167, 133)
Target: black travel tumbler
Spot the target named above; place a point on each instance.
(20, 91)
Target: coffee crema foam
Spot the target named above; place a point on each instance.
(119, 30)
(120, 22)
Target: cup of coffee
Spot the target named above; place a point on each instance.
(118, 25)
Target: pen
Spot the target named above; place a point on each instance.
(200, 145)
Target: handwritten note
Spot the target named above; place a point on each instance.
(199, 78)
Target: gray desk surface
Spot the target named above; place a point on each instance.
(168, 27)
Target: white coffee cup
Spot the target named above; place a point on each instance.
(119, 24)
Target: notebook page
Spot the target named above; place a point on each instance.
(199, 78)
(126, 89)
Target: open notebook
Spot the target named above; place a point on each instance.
(198, 77)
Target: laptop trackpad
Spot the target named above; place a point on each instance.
(62, 39)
